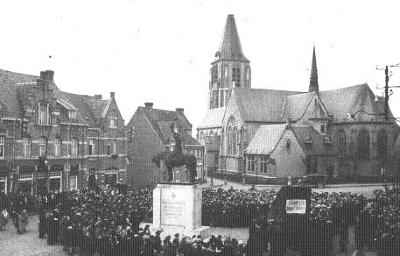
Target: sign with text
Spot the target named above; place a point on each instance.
(296, 206)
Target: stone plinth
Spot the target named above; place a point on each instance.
(177, 209)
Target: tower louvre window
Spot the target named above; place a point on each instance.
(236, 76)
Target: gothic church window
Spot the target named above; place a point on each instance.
(363, 144)
(251, 167)
(231, 137)
(340, 141)
(264, 164)
(382, 144)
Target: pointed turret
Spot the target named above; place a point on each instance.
(230, 48)
(314, 74)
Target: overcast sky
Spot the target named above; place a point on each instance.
(160, 51)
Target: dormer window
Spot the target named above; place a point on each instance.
(323, 128)
(113, 120)
(44, 114)
(72, 115)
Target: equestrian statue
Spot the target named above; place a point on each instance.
(177, 159)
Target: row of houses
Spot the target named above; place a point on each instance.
(55, 140)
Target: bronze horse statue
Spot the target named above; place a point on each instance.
(177, 159)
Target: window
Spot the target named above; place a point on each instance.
(57, 147)
(363, 144)
(251, 167)
(44, 116)
(1, 146)
(113, 120)
(226, 71)
(72, 115)
(340, 142)
(236, 77)
(42, 146)
(322, 128)
(91, 147)
(73, 184)
(248, 74)
(114, 147)
(74, 147)
(26, 146)
(108, 149)
(214, 74)
(232, 137)
(264, 164)
(382, 144)
(311, 165)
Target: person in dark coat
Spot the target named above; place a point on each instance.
(157, 242)
(42, 223)
(52, 229)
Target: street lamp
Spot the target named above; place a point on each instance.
(208, 145)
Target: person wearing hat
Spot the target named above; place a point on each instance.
(167, 248)
(157, 242)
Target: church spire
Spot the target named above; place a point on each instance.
(314, 74)
(230, 48)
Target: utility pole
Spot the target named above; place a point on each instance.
(386, 93)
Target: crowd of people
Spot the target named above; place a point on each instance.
(107, 221)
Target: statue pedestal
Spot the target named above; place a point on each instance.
(177, 209)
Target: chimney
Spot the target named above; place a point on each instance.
(148, 104)
(112, 94)
(47, 75)
(98, 96)
(180, 110)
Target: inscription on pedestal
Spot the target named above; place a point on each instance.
(172, 207)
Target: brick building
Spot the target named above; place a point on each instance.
(149, 134)
(51, 139)
(240, 125)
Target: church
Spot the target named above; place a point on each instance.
(270, 133)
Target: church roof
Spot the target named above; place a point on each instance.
(295, 105)
(265, 139)
(230, 48)
(213, 118)
(346, 100)
(261, 105)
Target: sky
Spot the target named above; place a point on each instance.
(160, 51)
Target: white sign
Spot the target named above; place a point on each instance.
(173, 204)
(296, 206)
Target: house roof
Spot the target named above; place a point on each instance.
(161, 121)
(230, 48)
(13, 85)
(265, 139)
(306, 134)
(213, 118)
(268, 136)
(261, 105)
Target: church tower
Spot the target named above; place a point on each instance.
(230, 68)
(314, 74)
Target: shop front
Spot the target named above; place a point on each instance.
(55, 177)
(73, 177)
(25, 181)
